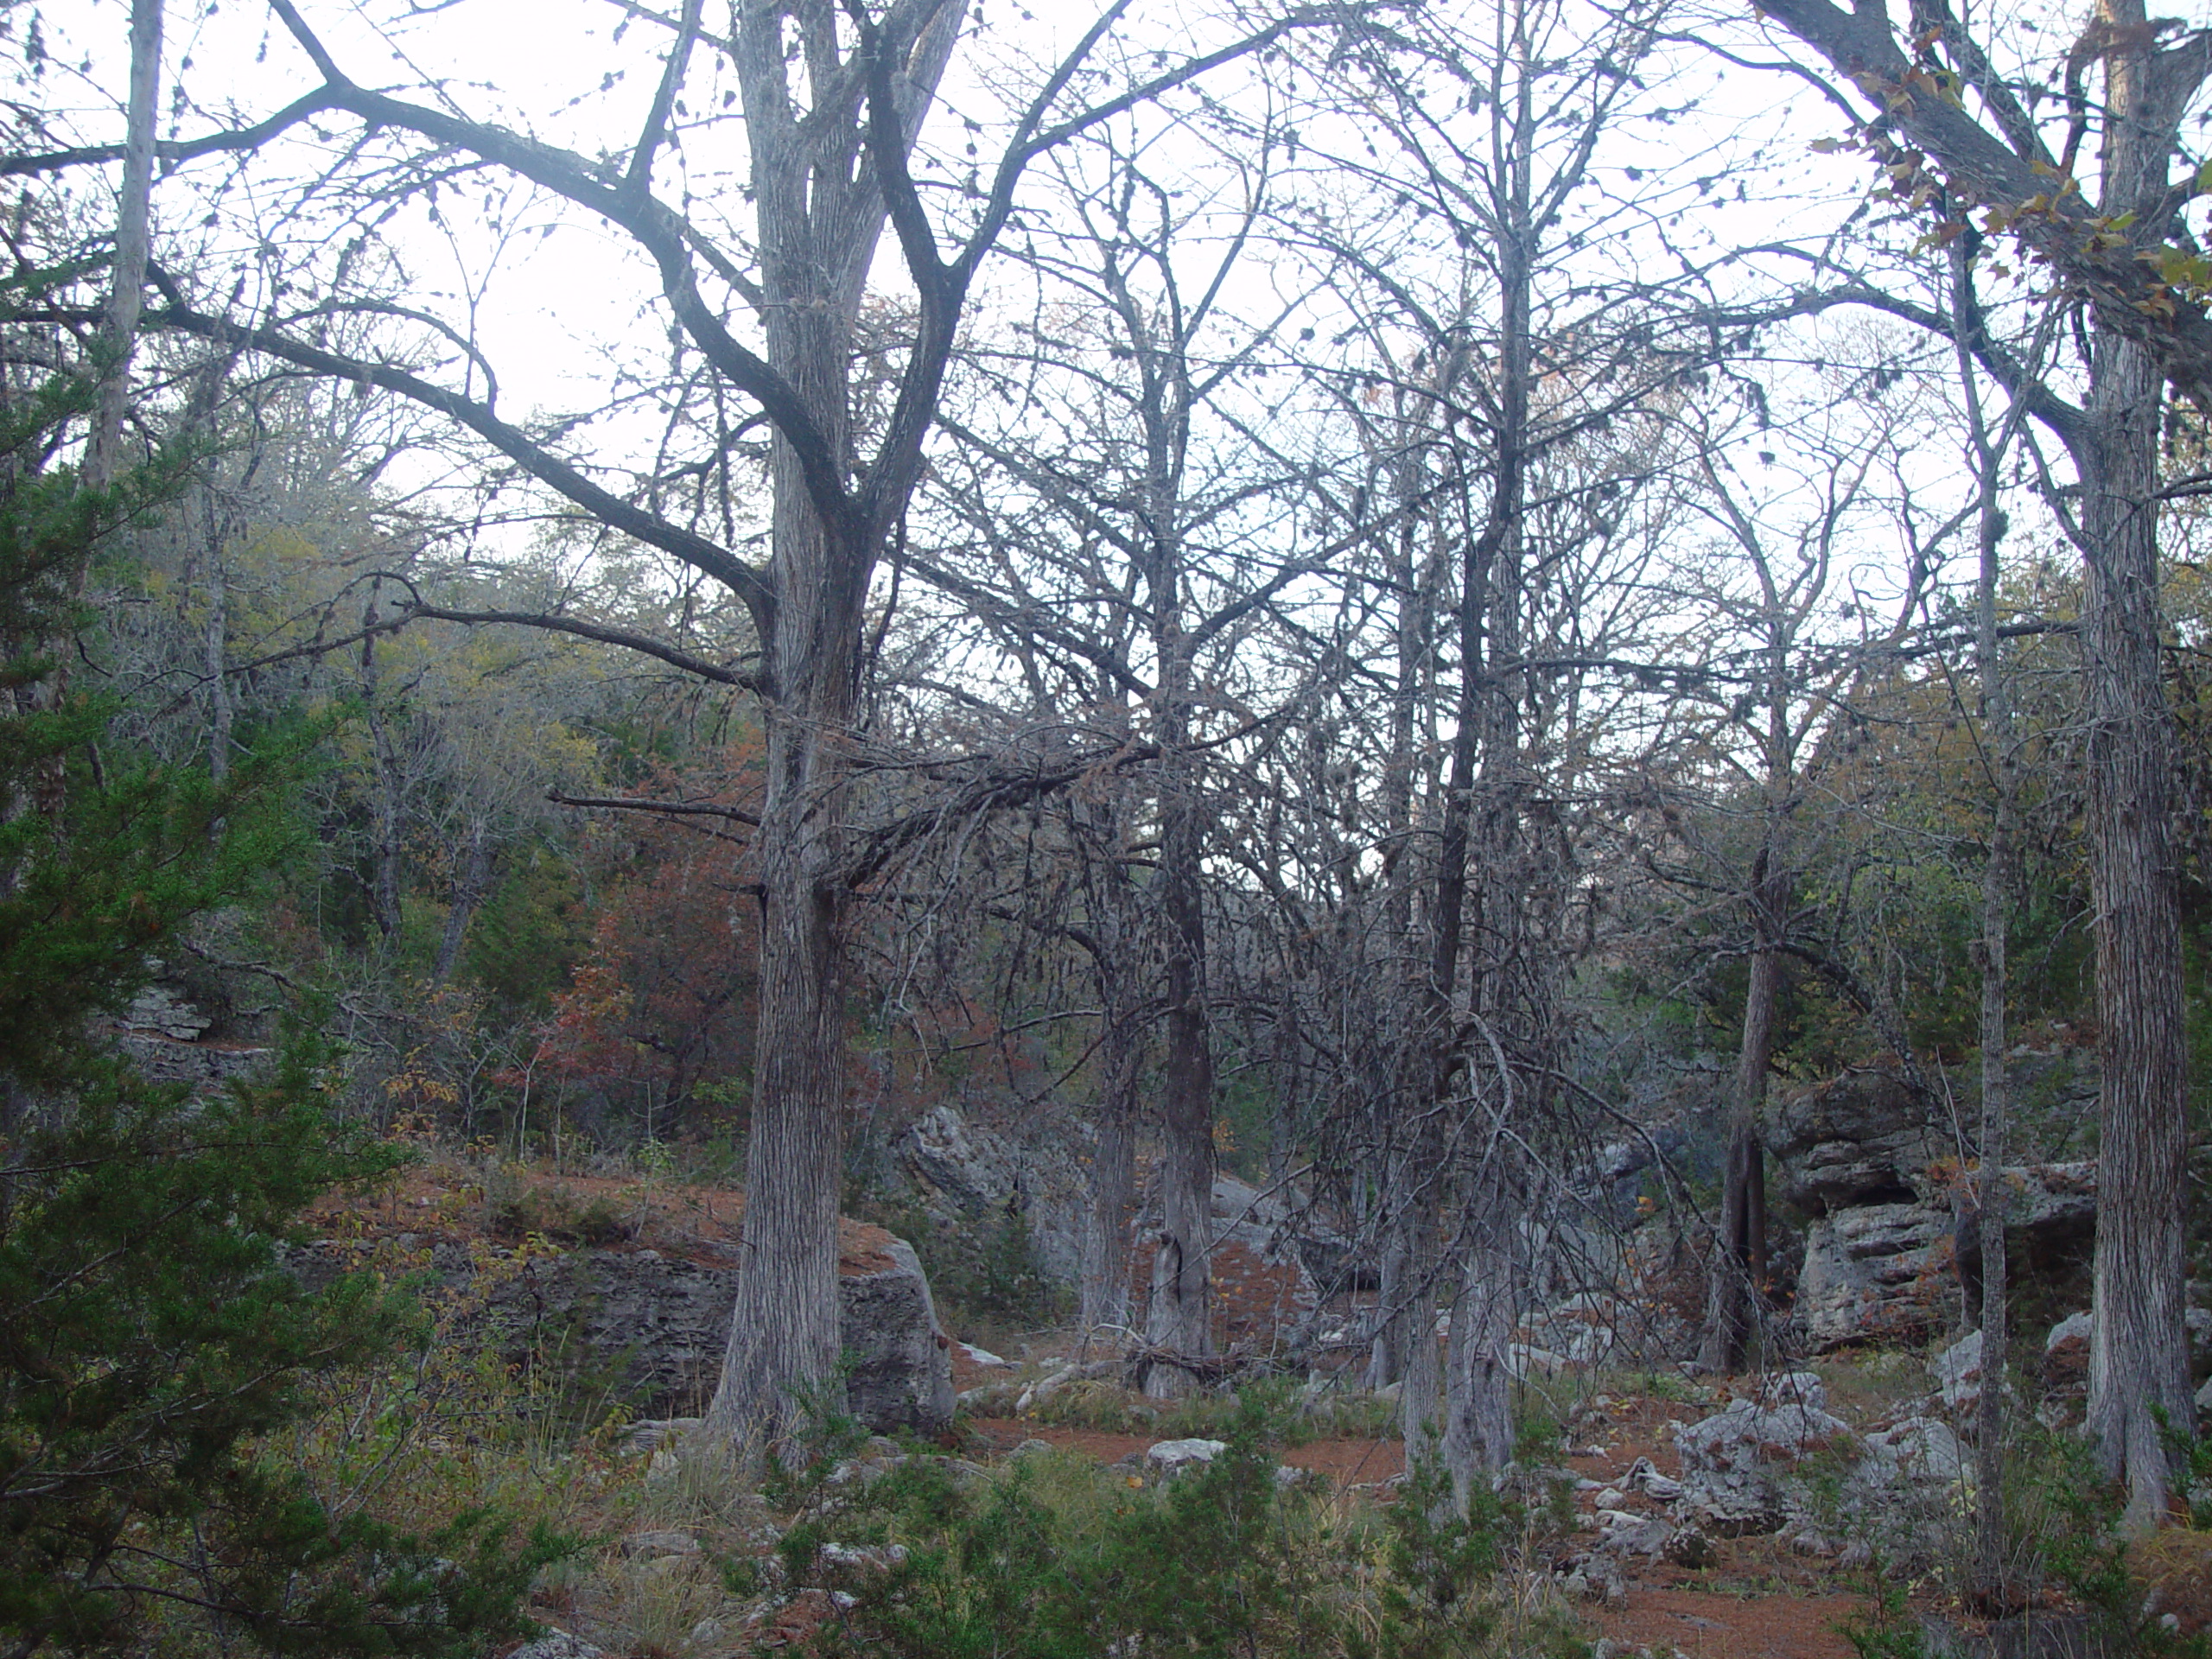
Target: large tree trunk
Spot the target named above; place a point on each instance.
(2138, 1357)
(821, 215)
(783, 1343)
(2138, 1361)
(1113, 1177)
(1993, 1589)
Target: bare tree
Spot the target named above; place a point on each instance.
(831, 102)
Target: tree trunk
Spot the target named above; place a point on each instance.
(1420, 1361)
(132, 237)
(387, 815)
(1736, 1290)
(1478, 1430)
(468, 894)
(821, 213)
(1113, 1180)
(2139, 1354)
(1386, 1357)
(216, 645)
(1994, 1592)
(1181, 1319)
(783, 1349)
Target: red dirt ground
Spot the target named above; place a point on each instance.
(1778, 1605)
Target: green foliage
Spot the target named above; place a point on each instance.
(1057, 1561)
(986, 1280)
(1438, 1562)
(150, 1337)
(1890, 1631)
(532, 931)
(152, 1341)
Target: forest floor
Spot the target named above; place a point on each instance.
(1756, 1598)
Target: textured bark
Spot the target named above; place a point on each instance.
(1113, 1181)
(2138, 1357)
(1386, 1347)
(1993, 1590)
(1479, 1431)
(822, 211)
(1420, 1363)
(1735, 1293)
(1180, 1318)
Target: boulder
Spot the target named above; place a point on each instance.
(1172, 1456)
(1919, 1448)
(2066, 1355)
(1735, 1463)
(1877, 1272)
(967, 1173)
(1957, 1373)
(900, 1360)
(557, 1644)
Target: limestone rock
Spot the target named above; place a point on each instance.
(969, 1174)
(658, 1323)
(166, 1009)
(900, 1360)
(1734, 1462)
(1795, 1389)
(1919, 1448)
(557, 1644)
(1957, 1373)
(1873, 1272)
(1862, 1138)
(1172, 1456)
(2066, 1355)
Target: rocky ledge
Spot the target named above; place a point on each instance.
(650, 1326)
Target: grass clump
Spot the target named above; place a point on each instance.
(1054, 1557)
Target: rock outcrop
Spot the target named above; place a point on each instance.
(967, 1175)
(1892, 1225)
(1862, 1139)
(1875, 1273)
(647, 1327)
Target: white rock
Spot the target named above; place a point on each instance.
(557, 1644)
(1957, 1372)
(1174, 1455)
(1797, 1389)
(2073, 1328)
(1920, 1448)
(1612, 1499)
(853, 1556)
(984, 1356)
